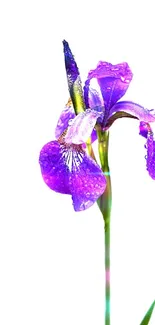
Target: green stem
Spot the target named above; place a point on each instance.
(107, 275)
(104, 203)
(90, 149)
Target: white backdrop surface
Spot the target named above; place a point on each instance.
(52, 258)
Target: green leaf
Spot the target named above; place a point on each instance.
(147, 317)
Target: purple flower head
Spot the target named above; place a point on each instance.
(113, 82)
(67, 169)
(65, 166)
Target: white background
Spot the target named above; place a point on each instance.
(51, 258)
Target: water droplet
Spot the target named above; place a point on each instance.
(123, 78)
(70, 122)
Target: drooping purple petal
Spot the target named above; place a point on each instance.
(146, 132)
(54, 169)
(88, 183)
(66, 116)
(82, 126)
(113, 80)
(150, 154)
(68, 170)
(142, 113)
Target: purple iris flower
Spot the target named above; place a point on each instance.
(67, 169)
(113, 81)
(65, 165)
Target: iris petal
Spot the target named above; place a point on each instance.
(118, 115)
(88, 184)
(142, 113)
(93, 96)
(95, 99)
(66, 116)
(151, 155)
(113, 80)
(53, 168)
(82, 126)
(146, 132)
(68, 170)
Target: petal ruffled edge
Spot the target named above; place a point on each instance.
(151, 156)
(113, 80)
(146, 131)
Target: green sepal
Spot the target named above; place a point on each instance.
(148, 315)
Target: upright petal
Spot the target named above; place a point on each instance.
(142, 113)
(65, 118)
(82, 126)
(74, 80)
(95, 100)
(92, 95)
(113, 80)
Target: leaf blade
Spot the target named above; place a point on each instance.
(148, 315)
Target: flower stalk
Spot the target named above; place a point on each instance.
(105, 203)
